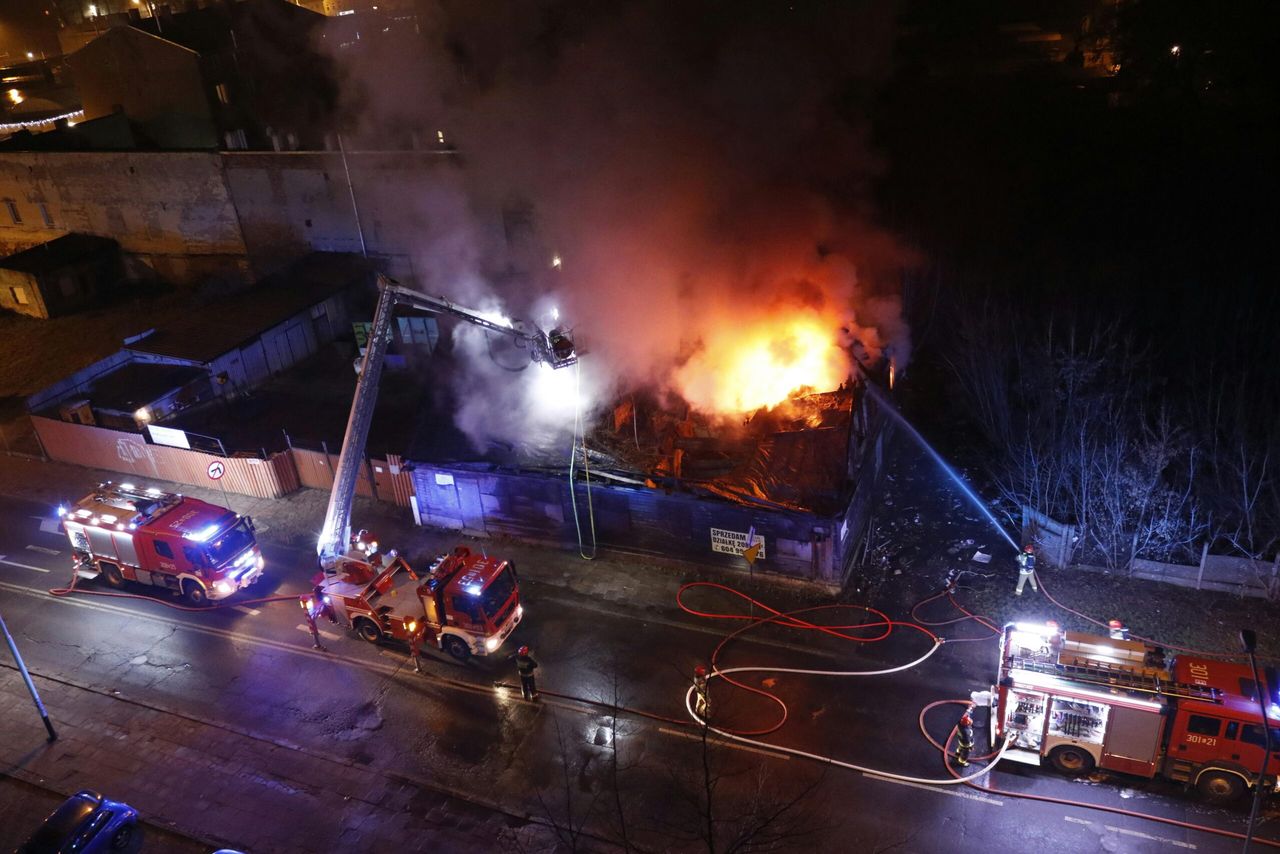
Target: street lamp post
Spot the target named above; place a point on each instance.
(1249, 641)
(26, 677)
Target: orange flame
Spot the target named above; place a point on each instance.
(741, 370)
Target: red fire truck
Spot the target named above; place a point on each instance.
(469, 603)
(1081, 701)
(125, 533)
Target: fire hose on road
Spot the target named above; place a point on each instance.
(212, 606)
(883, 628)
(944, 748)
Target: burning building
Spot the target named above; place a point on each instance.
(651, 473)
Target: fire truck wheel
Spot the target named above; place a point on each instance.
(1071, 760)
(1219, 787)
(111, 575)
(194, 593)
(457, 647)
(368, 631)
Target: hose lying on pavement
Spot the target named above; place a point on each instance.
(212, 606)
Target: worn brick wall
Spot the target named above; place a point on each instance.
(290, 202)
(169, 210)
(191, 217)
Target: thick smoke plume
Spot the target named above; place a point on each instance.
(700, 169)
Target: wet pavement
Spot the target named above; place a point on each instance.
(350, 747)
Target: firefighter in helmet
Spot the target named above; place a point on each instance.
(364, 542)
(964, 738)
(525, 665)
(417, 630)
(701, 697)
(1026, 569)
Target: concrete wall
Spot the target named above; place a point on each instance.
(170, 211)
(292, 202)
(191, 217)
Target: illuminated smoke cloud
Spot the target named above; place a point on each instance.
(700, 169)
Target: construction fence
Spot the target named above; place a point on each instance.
(260, 475)
(1223, 573)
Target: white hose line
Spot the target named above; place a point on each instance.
(830, 760)
(579, 436)
(898, 669)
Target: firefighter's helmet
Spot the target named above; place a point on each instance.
(365, 541)
(700, 670)
(524, 650)
(1028, 548)
(965, 720)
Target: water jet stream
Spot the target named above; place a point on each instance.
(892, 410)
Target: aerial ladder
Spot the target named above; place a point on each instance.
(554, 348)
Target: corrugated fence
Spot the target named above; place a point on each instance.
(248, 474)
(98, 447)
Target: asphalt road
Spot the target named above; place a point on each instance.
(253, 668)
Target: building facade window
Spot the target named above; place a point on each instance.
(46, 216)
(236, 140)
(20, 296)
(13, 211)
(223, 97)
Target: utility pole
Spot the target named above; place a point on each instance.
(26, 677)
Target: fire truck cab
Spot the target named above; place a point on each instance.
(1079, 701)
(469, 603)
(125, 533)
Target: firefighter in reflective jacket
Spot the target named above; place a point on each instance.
(416, 632)
(701, 698)
(525, 665)
(964, 739)
(309, 607)
(1026, 569)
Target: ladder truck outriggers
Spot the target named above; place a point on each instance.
(1078, 701)
(467, 603)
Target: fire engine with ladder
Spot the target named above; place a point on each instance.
(467, 603)
(122, 532)
(1079, 701)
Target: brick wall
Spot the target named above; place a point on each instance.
(170, 211)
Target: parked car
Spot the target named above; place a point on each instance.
(86, 824)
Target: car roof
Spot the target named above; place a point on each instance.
(61, 823)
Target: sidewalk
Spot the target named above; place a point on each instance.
(216, 787)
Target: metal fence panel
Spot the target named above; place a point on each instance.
(129, 453)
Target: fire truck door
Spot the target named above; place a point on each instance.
(466, 613)
(1196, 738)
(430, 610)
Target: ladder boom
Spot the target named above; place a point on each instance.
(555, 349)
